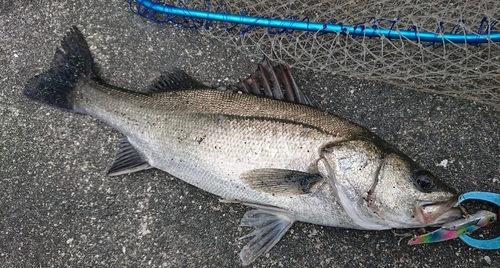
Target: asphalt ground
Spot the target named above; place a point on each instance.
(57, 209)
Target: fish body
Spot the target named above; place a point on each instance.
(209, 138)
(277, 154)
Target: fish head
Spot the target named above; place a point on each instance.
(381, 188)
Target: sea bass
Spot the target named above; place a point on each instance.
(261, 143)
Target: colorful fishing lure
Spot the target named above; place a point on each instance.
(456, 228)
(463, 227)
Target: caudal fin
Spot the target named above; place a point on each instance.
(73, 62)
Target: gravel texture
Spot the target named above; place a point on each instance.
(57, 209)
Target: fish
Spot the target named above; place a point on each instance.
(261, 143)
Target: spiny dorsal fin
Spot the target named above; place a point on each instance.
(127, 160)
(281, 182)
(176, 80)
(274, 82)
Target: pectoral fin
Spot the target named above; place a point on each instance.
(270, 225)
(127, 160)
(280, 181)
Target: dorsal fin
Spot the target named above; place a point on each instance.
(176, 80)
(274, 82)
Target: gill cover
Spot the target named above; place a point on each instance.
(379, 187)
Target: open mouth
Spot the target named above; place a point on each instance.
(437, 213)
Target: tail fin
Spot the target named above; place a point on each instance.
(54, 87)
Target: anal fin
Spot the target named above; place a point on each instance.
(127, 160)
(270, 225)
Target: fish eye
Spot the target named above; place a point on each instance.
(425, 180)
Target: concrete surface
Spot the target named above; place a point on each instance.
(57, 209)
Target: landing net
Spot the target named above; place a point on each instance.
(467, 68)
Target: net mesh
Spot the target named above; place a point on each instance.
(460, 70)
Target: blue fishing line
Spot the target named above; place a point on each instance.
(359, 30)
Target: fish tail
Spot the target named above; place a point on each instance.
(73, 62)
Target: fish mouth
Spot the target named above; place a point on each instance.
(437, 213)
